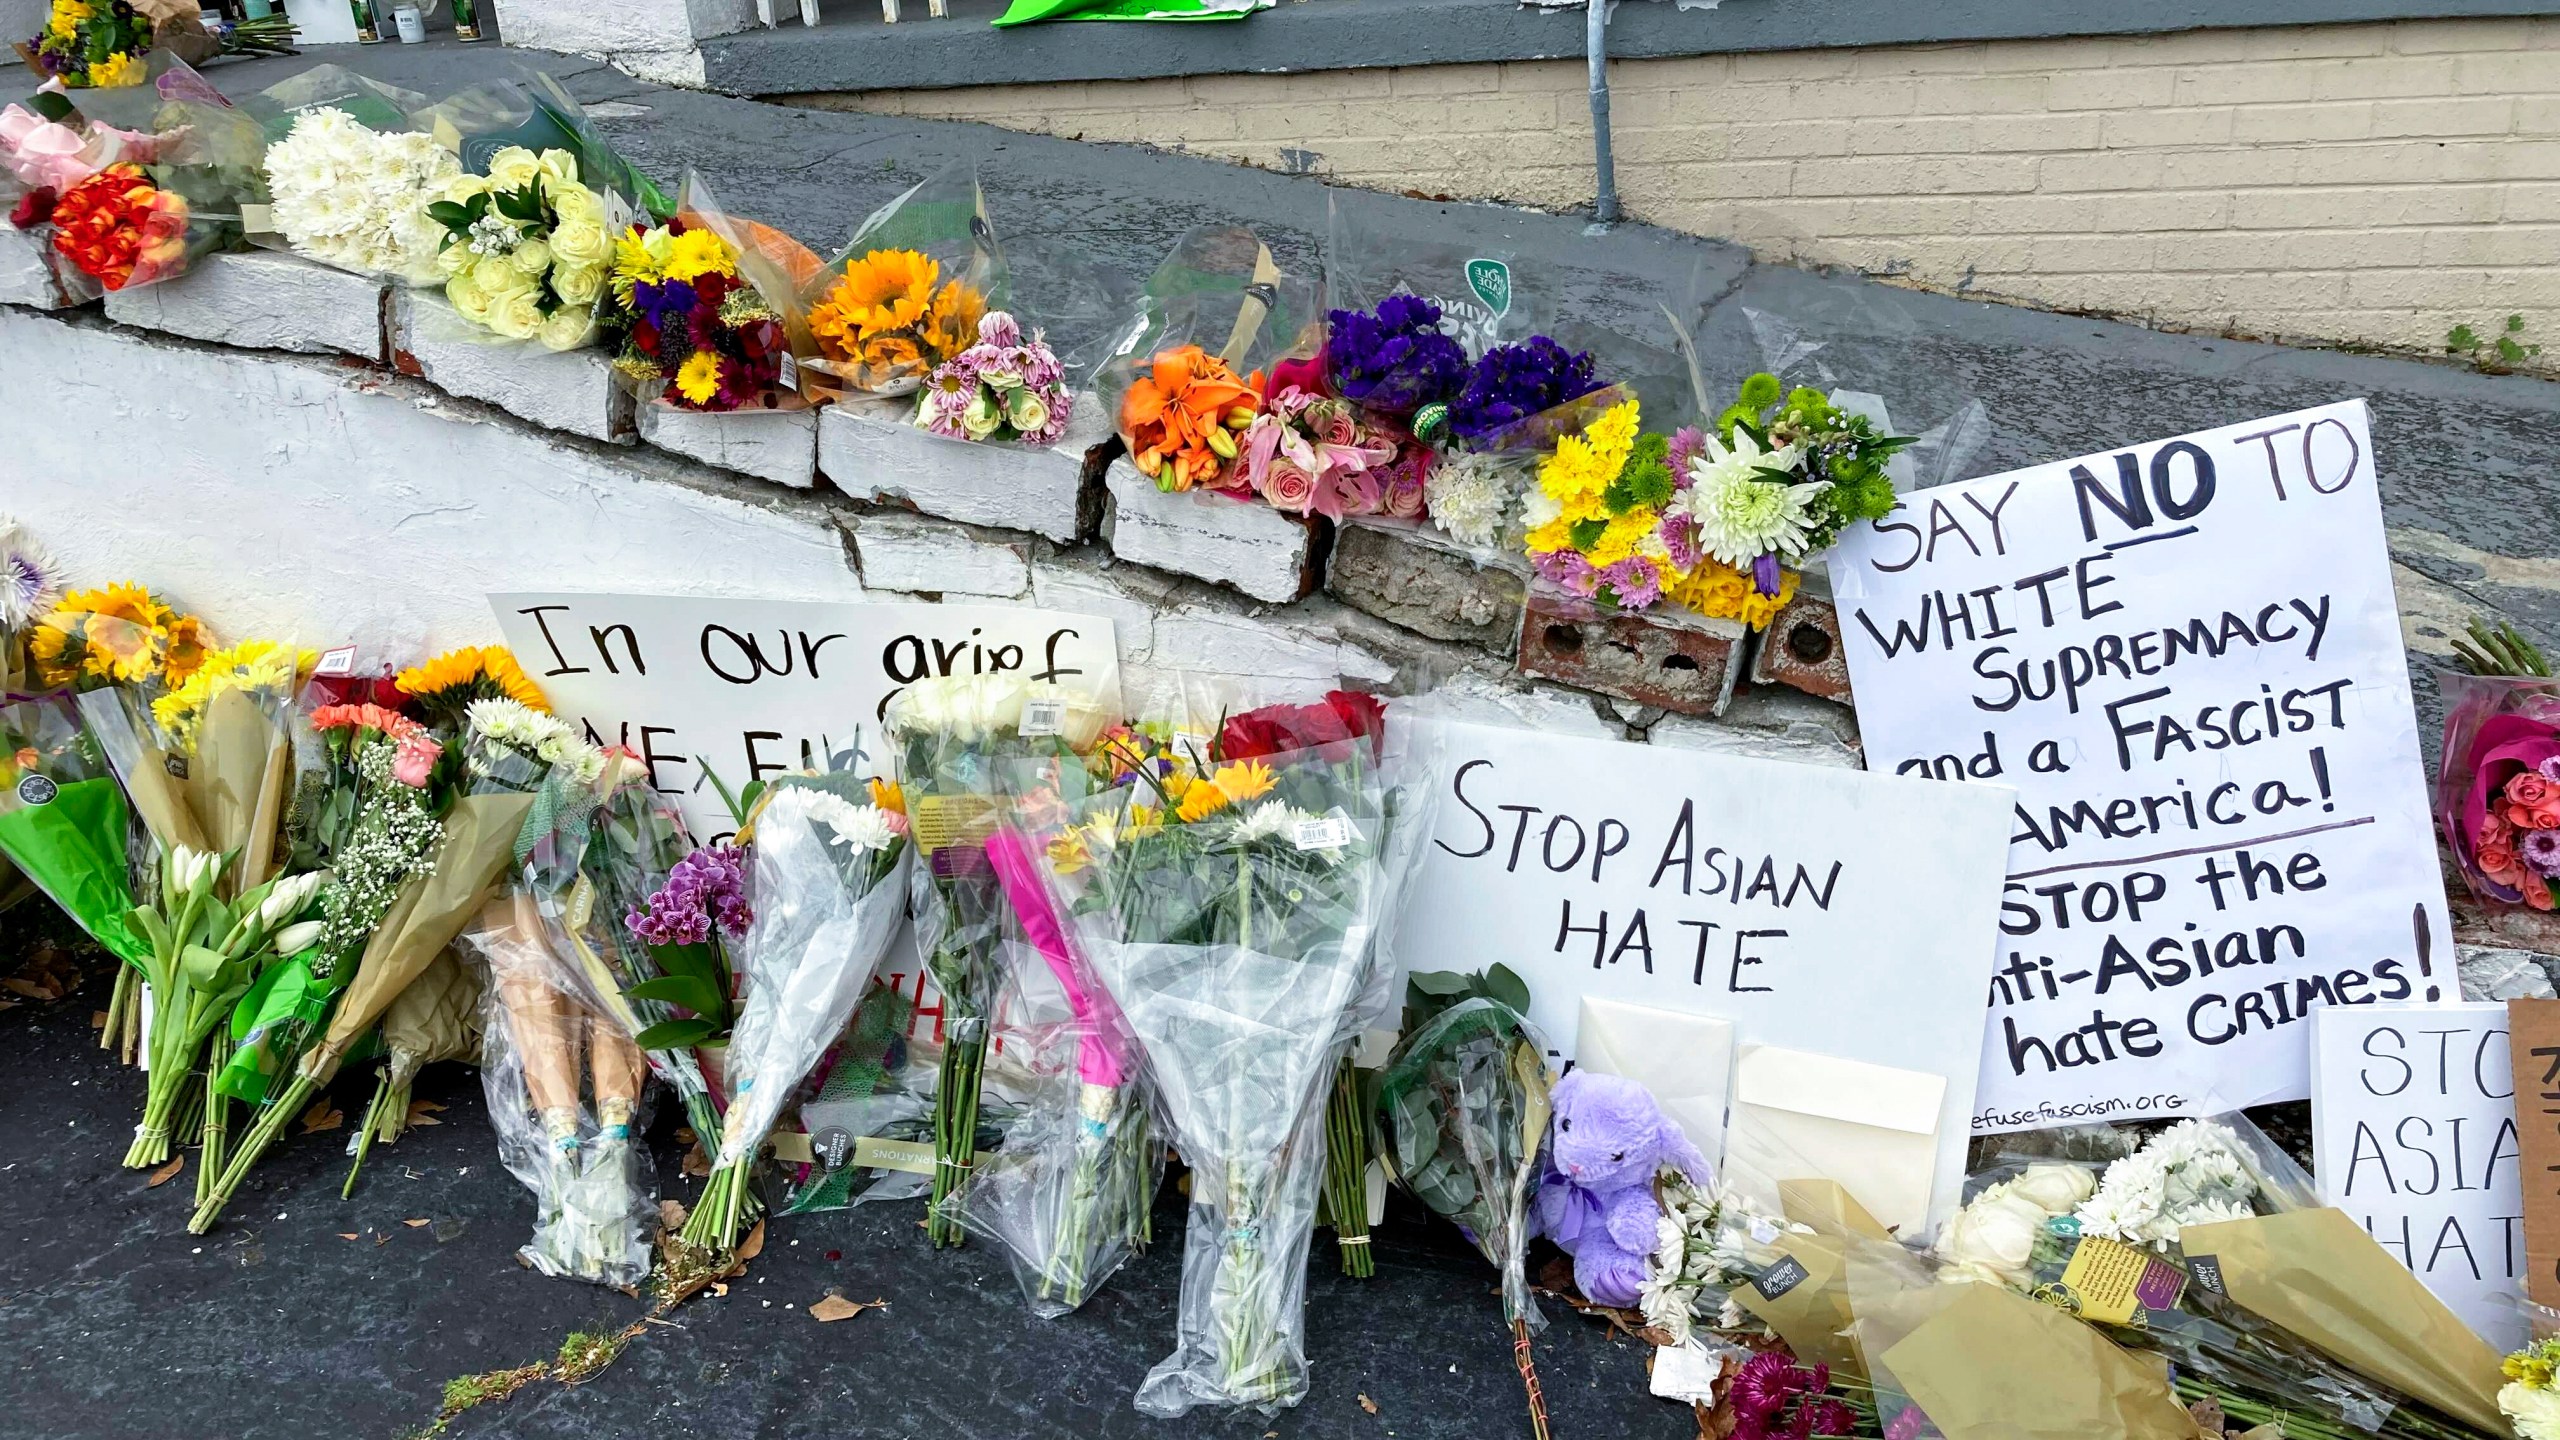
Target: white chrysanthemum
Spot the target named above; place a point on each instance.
(1742, 514)
(30, 581)
(349, 197)
(1469, 497)
(1270, 818)
(1539, 508)
(864, 827)
(2536, 1412)
(508, 720)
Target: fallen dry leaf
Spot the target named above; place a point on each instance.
(97, 1019)
(422, 1112)
(697, 1164)
(322, 1116)
(718, 1289)
(415, 1224)
(835, 1307)
(751, 1247)
(166, 1173)
(1368, 1404)
(350, 1235)
(671, 1214)
(28, 988)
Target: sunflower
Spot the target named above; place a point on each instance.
(1202, 801)
(1244, 780)
(249, 665)
(891, 314)
(116, 72)
(445, 686)
(120, 634)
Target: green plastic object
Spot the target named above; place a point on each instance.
(72, 846)
(1024, 12)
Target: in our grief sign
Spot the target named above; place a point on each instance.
(2186, 658)
(743, 686)
(1831, 911)
(2414, 1136)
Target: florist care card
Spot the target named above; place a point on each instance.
(1844, 924)
(2185, 656)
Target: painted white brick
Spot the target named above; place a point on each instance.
(261, 300)
(1486, 699)
(1770, 724)
(871, 450)
(1055, 587)
(776, 445)
(901, 552)
(571, 391)
(1244, 544)
(1310, 651)
(26, 269)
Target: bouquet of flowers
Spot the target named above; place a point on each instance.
(1509, 390)
(1779, 476)
(1314, 454)
(356, 196)
(1232, 913)
(1465, 1101)
(954, 738)
(1181, 418)
(1213, 320)
(826, 881)
(629, 907)
(1610, 522)
(63, 820)
(1068, 1196)
(228, 726)
(694, 331)
(47, 146)
(183, 192)
(907, 292)
(2498, 791)
(524, 253)
(100, 44)
(1394, 360)
(1004, 389)
(121, 634)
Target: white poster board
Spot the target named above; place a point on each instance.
(2414, 1135)
(1823, 910)
(744, 685)
(2186, 657)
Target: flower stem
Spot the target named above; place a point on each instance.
(955, 1134)
(1347, 1172)
(253, 1146)
(1529, 1378)
(217, 1117)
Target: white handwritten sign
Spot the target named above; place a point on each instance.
(2186, 657)
(744, 686)
(1827, 911)
(2414, 1135)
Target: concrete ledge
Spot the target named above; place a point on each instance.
(927, 557)
(262, 300)
(572, 391)
(855, 51)
(1407, 573)
(1243, 544)
(776, 445)
(872, 450)
(27, 273)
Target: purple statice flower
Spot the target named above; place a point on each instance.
(1395, 360)
(1513, 382)
(1686, 442)
(1568, 571)
(706, 886)
(1635, 582)
(2541, 851)
(1764, 574)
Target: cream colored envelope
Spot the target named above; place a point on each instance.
(1872, 1128)
(1685, 1060)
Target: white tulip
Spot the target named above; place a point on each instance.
(287, 899)
(294, 939)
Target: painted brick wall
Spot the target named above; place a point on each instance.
(2371, 184)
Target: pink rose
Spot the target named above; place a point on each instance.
(2529, 789)
(416, 761)
(1404, 498)
(2494, 830)
(2499, 864)
(1288, 488)
(2537, 896)
(2546, 816)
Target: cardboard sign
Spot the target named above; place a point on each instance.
(1847, 916)
(744, 686)
(2534, 1043)
(2414, 1137)
(2186, 658)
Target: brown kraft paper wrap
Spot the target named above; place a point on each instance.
(2319, 1275)
(1985, 1364)
(1804, 1296)
(2533, 1040)
(479, 843)
(236, 786)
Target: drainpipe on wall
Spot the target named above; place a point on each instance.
(1604, 205)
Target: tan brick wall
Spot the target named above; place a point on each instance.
(2372, 184)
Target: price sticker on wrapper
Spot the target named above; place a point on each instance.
(1044, 717)
(341, 661)
(1330, 833)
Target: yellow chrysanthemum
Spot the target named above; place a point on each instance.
(639, 258)
(1584, 465)
(697, 253)
(1244, 780)
(65, 20)
(1624, 537)
(445, 686)
(116, 72)
(698, 379)
(254, 665)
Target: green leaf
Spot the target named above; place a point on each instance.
(2515, 324)
(1441, 982)
(691, 992)
(2510, 351)
(450, 215)
(675, 1035)
(203, 966)
(2461, 339)
(1503, 985)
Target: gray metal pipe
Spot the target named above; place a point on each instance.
(1604, 204)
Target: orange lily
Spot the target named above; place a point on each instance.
(1181, 418)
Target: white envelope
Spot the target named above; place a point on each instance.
(1873, 1128)
(1685, 1060)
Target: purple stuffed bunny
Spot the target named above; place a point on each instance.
(1596, 1198)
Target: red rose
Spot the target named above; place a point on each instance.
(1253, 735)
(1360, 711)
(33, 208)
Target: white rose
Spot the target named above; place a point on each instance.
(581, 242)
(567, 329)
(578, 285)
(532, 257)
(517, 316)
(2055, 1189)
(575, 204)
(1994, 1236)
(498, 276)
(454, 259)
(1028, 412)
(513, 168)
(559, 165)
(463, 188)
(468, 298)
